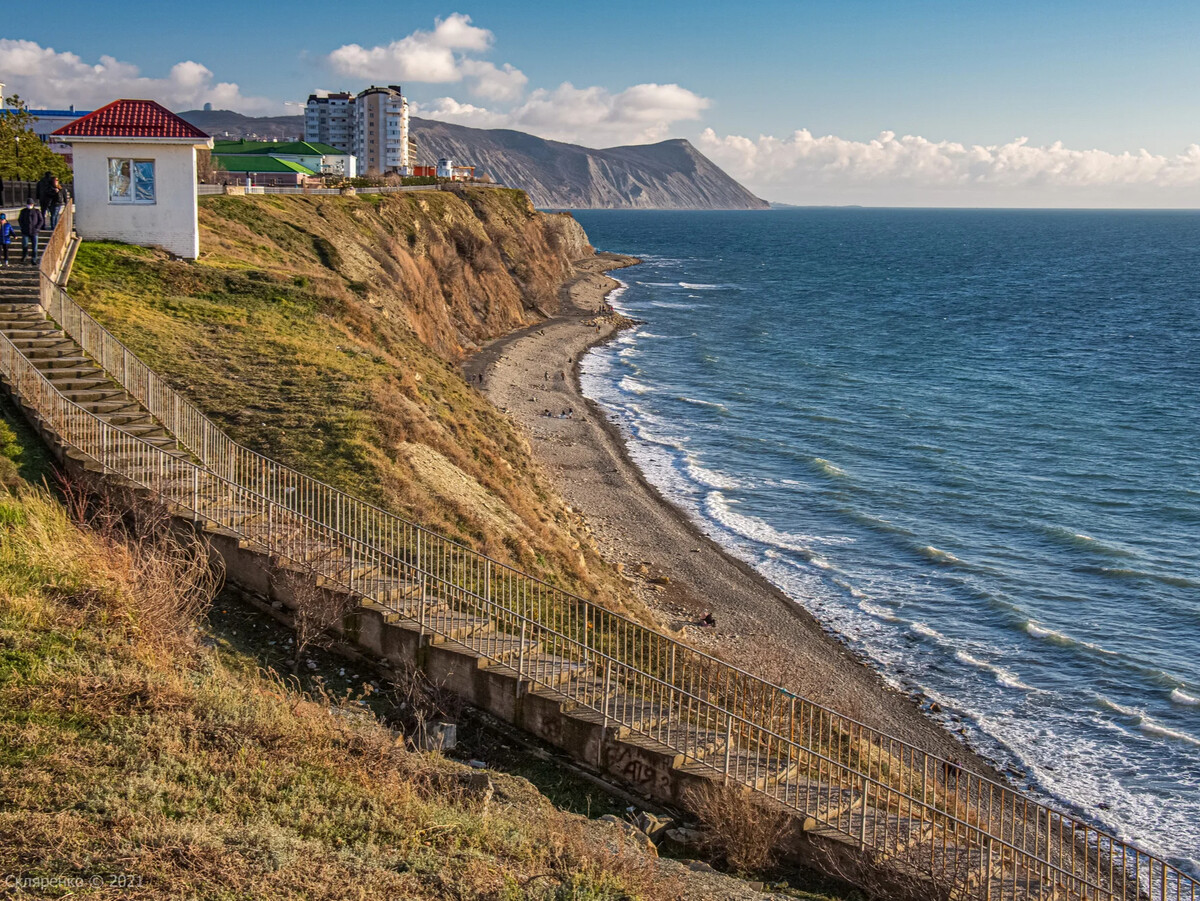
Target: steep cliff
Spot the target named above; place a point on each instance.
(669, 175)
(323, 331)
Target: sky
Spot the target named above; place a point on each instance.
(965, 103)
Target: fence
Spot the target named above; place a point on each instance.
(203, 190)
(901, 803)
(15, 193)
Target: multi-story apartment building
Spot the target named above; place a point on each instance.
(329, 119)
(372, 125)
(381, 134)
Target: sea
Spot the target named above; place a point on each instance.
(969, 443)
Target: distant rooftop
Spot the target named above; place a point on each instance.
(272, 148)
(259, 163)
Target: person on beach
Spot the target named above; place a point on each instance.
(31, 222)
(708, 621)
(6, 236)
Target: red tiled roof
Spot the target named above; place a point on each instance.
(131, 119)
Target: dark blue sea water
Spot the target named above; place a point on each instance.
(968, 441)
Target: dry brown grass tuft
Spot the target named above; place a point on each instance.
(743, 830)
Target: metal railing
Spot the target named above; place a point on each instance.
(923, 812)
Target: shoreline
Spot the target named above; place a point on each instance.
(677, 571)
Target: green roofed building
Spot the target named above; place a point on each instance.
(321, 159)
(263, 169)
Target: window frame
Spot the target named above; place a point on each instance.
(132, 197)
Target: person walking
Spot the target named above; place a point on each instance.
(45, 192)
(64, 198)
(31, 222)
(6, 236)
(51, 210)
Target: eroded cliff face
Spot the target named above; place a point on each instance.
(459, 267)
(325, 332)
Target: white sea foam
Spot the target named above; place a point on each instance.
(876, 611)
(1156, 728)
(1003, 676)
(927, 631)
(711, 478)
(1060, 638)
(696, 401)
(691, 286)
(717, 507)
(668, 305)
(830, 469)
(1179, 696)
(1112, 705)
(632, 386)
(938, 556)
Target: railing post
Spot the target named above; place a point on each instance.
(521, 658)
(728, 744)
(424, 602)
(607, 689)
(862, 826)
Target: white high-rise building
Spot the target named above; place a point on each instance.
(329, 119)
(381, 140)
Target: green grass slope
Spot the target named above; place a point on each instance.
(324, 332)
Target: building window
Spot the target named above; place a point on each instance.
(130, 181)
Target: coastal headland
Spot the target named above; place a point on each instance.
(678, 572)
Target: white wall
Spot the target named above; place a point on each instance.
(170, 222)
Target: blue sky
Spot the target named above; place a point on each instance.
(740, 80)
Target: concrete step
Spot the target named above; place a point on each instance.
(501, 647)
(49, 348)
(552, 670)
(65, 383)
(44, 361)
(822, 800)
(56, 370)
(120, 414)
(454, 624)
(104, 392)
(116, 410)
(18, 306)
(49, 342)
(28, 330)
(400, 596)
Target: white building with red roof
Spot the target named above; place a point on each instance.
(135, 176)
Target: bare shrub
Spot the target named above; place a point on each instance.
(168, 574)
(416, 701)
(315, 609)
(741, 829)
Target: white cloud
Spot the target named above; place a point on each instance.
(441, 56)
(803, 168)
(593, 116)
(46, 78)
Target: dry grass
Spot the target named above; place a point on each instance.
(122, 753)
(739, 827)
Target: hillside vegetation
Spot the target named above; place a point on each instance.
(138, 750)
(325, 332)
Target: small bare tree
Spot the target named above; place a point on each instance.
(315, 608)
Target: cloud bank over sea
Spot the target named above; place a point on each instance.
(912, 170)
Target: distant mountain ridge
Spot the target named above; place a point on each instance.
(668, 175)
